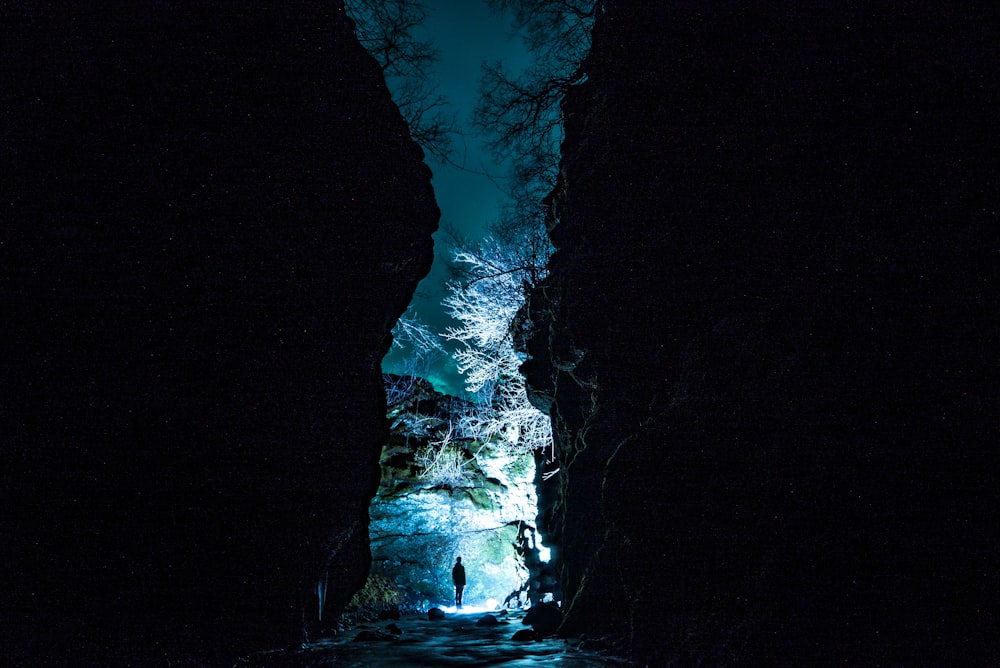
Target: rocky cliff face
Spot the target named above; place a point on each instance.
(770, 335)
(212, 218)
(468, 500)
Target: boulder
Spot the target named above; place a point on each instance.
(544, 618)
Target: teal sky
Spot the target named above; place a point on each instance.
(467, 33)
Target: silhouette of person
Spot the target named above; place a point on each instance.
(458, 577)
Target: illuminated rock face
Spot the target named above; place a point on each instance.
(770, 335)
(212, 218)
(421, 523)
(417, 533)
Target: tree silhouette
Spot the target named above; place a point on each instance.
(520, 113)
(386, 29)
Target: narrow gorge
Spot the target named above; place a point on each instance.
(767, 342)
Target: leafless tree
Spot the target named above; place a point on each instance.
(520, 115)
(498, 272)
(386, 28)
(520, 112)
(421, 348)
(444, 462)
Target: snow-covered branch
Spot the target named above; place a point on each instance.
(421, 348)
(411, 331)
(486, 306)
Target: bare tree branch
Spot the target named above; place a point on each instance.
(386, 29)
(521, 117)
(421, 349)
(520, 113)
(499, 273)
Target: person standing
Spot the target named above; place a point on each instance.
(458, 577)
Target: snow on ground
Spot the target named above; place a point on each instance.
(453, 641)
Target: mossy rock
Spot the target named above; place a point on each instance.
(500, 545)
(480, 498)
(494, 485)
(518, 469)
(377, 594)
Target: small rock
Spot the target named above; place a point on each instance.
(525, 635)
(393, 629)
(487, 620)
(435, 613)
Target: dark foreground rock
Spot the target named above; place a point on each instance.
(772, 320)
(544, 619)
(211, 219)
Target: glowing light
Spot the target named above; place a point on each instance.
(489, 606)
(544, 554)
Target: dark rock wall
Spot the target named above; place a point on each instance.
(771, 334)
(212, 216)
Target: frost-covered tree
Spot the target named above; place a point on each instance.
(486, 302)
(520, 115)
(421, 348)
(411, 333)
(443, 461)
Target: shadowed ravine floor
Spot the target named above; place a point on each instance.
(453, 641)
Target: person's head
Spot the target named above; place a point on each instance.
(458, 560)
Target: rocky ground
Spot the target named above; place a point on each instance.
(414, 640)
